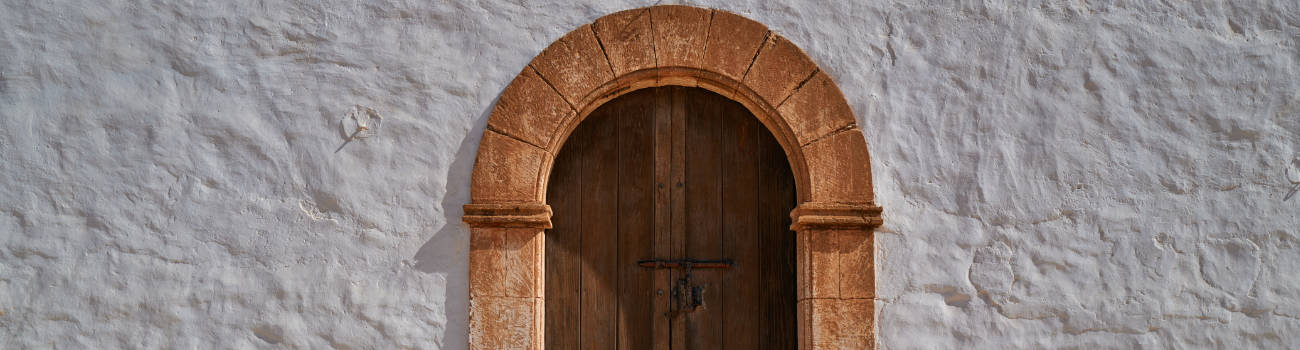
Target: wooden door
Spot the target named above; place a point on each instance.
(651, 182)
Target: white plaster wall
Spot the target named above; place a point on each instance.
(1056, 174)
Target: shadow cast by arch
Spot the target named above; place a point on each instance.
(447, 251)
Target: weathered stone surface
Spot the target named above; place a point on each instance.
(628, 39)
(818, 267)
(733, 41)
(833, 179)
(816, 109)
(510, 170)
(530, 109)
(779, 68)
(818, 319)
(857, 325)
(680, 34)
(506, 262)
(575, 65)
(835, 263)
(487, 265)
(503, 323)
(524, 247)
(856, 264)
(837, 323)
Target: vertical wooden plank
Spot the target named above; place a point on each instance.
(662, 111)
(776, 200)
(562, 245)
(635, 116)
(677, 242)
(741, 286)
(704, 208)
(769, 238)
(599, 233)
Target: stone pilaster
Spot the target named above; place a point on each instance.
(836, 274)
(506, 274)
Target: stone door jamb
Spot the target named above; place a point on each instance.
(679, 46)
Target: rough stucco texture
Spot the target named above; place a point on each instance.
(1091, 174)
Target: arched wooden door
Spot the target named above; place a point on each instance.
(671, 229)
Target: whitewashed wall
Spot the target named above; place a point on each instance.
(1056, 174)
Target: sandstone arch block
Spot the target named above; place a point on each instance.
(817, 109)
(536, 110)
(837, 181)
(628, 40)
(733, 42)
(680, 34)
(575, 65)
(779, 68)
(506, 170)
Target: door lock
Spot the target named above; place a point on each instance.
(687, 296)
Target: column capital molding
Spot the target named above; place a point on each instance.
(512, 215)
(823, 215)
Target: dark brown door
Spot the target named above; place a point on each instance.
(671, 229)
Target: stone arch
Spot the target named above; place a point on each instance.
(683, 46)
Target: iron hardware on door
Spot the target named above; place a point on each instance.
(687, 297)
(686, 263)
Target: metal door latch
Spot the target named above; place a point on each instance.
(686, 263)
(687, 297)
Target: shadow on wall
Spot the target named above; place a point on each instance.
(447, 252)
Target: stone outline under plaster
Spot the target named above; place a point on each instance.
(666, 46)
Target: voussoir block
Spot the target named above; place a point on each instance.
(839, 169)
(733, 41)
(506, 170)
(628, 40)
(816, 109)
(575, 65)
(530, 109)
(778, 69)
(680, 34)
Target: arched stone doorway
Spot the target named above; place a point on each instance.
(673, 46)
